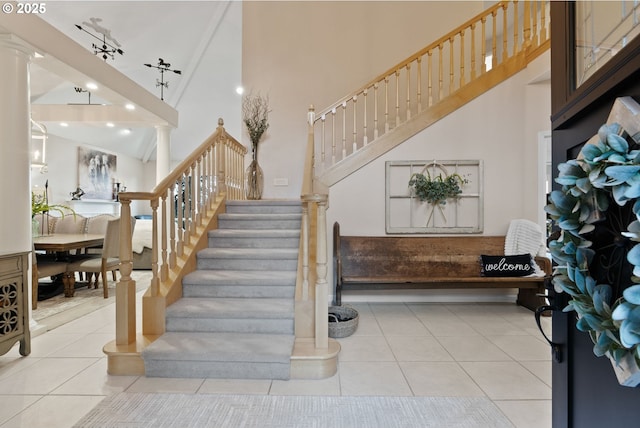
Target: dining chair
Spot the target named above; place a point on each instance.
(108, 260)
(70, 224)
(98, 225)
(43, 266)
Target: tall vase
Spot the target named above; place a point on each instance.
(254, 177)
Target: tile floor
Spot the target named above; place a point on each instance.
(435, 349)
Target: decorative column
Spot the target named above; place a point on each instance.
(15, 144)
(163, 152)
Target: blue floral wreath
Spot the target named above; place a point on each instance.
(606, 171)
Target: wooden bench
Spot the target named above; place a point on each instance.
(431, 262)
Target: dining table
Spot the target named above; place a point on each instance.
(65, 242)
(61, 244)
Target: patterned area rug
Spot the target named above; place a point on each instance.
(238, 411)
(84, 297)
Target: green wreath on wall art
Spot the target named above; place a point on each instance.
(436, 190)
(606, 172)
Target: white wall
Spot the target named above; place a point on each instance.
(62, 160)
(315, 52)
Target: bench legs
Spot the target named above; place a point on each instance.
(531, 298)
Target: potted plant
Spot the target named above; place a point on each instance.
(40, 205)
(437, 190)
(255, 115)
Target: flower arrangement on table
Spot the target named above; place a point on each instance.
(437, 190)
(600, 183)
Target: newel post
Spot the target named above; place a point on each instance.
(322, 286)
(126, 287)
(221, 157)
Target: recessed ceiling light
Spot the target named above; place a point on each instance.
(64, 124)
(125, 131)
(130, 106)
(239, 90)
(110, 124)
(92, 86)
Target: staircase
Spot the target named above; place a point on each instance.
(236, 316)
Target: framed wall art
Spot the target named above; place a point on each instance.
(96, 171)
(434, 196)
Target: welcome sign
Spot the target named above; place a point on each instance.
(518, 265)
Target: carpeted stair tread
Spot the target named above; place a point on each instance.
(260, 216)
(236, 317)
(249, 253)
(239, 308)
(240, 277)
(221, 347)
(264, 206)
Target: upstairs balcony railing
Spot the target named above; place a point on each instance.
(496, 36)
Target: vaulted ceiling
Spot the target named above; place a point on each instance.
(201, 39)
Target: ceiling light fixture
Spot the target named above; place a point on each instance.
(107, 50)
(64, 124)
(110, 124)
(162, 66)
(130, 106)
(239, 90)
(91, 86)
(126, 131)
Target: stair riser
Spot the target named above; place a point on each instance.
(232, 223)
(247, 264)
(215, 370)
(253, 243)
(228, 325)
(251, 291)
(265, 209)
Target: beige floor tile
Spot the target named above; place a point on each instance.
(493, 326)
(365, 348)
(367, 325)
(235, 386)
(89, 346)
(542, 369)
(402, 326)
(372, 378)
(330, 386)
(522, 348)
(439, 379)
(165, 384)
(45, 376)
(507, 381)
(46, 344)
(54, 411)
(10, 365)
(472, 348)
(448, 326)
(95, 380)
(417, 348)
(14, 404)
(527, 413)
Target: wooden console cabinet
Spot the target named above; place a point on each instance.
(14, 303)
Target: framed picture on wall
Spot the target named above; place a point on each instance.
(96, 173)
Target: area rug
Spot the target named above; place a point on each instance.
(84, 296)
(204, 410)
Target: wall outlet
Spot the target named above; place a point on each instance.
(280, 181)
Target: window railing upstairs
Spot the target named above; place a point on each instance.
(181, 205)
(496, 36)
